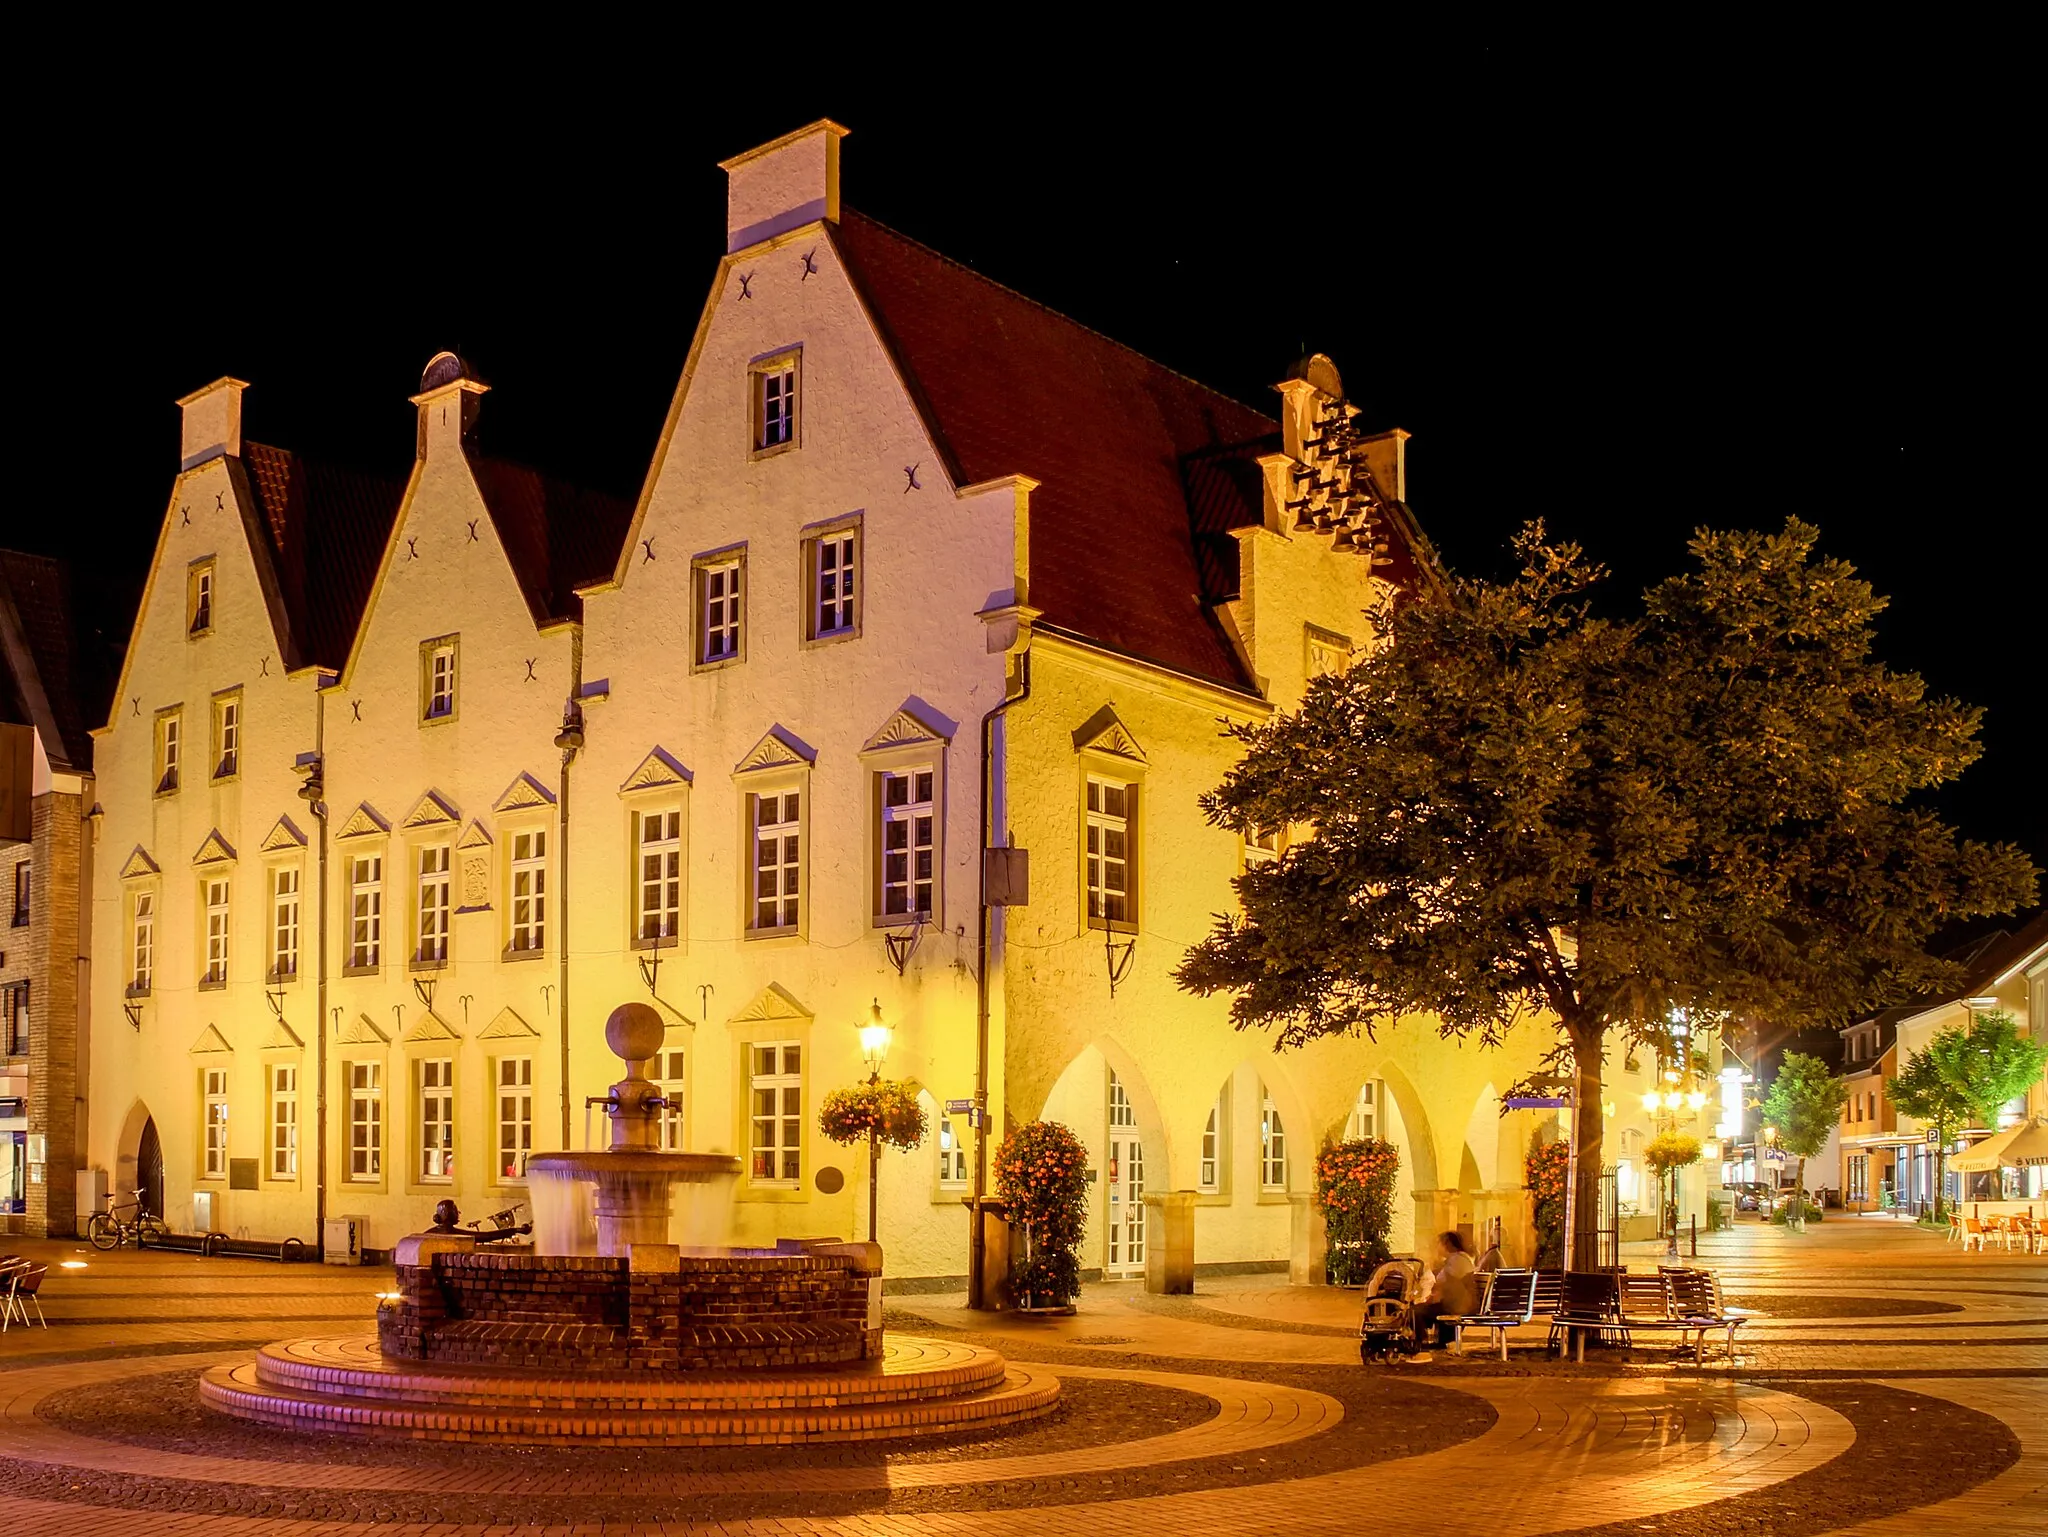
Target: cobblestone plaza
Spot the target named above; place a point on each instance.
(1891, 1384)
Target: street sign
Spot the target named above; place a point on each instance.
(1536, 1102)
(959, 1106)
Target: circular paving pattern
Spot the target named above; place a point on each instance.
(1245, 1413)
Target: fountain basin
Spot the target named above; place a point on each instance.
(803, 1303)
(624, 1195)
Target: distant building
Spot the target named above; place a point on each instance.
(50, 689)
(406, 786)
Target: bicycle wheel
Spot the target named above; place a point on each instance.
(102, 1230)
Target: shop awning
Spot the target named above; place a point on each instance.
(2022, 1145)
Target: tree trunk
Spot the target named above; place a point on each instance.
(1798, 1223)
(1589, 1136)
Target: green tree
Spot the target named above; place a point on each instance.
(1966, 1073)
(1520, 807)
(1805, 1104)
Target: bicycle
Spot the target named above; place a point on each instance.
(124, 1220)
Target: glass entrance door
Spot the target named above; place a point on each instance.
(1125, 1255)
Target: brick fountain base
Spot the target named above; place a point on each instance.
(661, 1348)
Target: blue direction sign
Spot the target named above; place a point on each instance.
(959, 1106)
(1536, 1102)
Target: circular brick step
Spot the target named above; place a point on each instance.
(921, 1387)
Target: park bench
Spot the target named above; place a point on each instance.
(1696, 1298)
(1508, 1303)
(1589, 1301)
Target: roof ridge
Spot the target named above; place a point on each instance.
(1061, 315)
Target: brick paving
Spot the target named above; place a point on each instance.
(1297, 1438)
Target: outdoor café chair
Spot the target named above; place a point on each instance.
(22, 1286)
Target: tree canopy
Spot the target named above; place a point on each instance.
(1513, 805)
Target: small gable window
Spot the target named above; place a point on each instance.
(199, 598)
(227, 735)
(832, 583)
(437, 677)
(169, 730)
(774, 383)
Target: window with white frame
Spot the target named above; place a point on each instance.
(284, 922)
(721, 610)
(1108, 860)
(515, 1117)
(952, 1151)
(1272, 1146)
(430, 897)
(1366, 1122)
(908, 839)
(1261, 847)
(775, 401)
(775, 1145)
(227, 736)
(199, 598)
(216, 1122)
(831, 562)
(438, 662)
(529, 891)
(437, 1120)
(777, 861)
(365, 911)
(660, 835)
(669, 1078)
(1210, 1178)
(284, 1121)
(143, 942)
(215, 890)
(168, 731)
(365, 1082)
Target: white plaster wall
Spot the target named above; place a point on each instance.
(155, 1065)
(932, 558)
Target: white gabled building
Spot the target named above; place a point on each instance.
(920, 568)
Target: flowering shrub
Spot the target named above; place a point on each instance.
(888, 1109)
(1355, 1188)
(1042, 1172)
(1547, 1169)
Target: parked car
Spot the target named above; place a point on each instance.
(1752, 1195)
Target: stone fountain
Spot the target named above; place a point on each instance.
(632, 1181)
(608, 1332)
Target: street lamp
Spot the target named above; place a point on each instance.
(874, 1050)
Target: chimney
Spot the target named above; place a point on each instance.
(780, 186)
(448, 402)
(212, 423)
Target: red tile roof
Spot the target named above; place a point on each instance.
(558, 536)
(51, 676)
(1122, 550)
(327, 528)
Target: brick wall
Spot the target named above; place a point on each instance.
(57, 950)
(576, 1313)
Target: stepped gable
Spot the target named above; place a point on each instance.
(557, 536)
(327, 527)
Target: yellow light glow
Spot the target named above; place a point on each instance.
(1652, 1100)
(874, 1037)
(71, 1264)
(1695, 1100)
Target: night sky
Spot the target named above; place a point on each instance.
(1628, 313)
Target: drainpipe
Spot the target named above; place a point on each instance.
(977, 1238)
(570, 740)
(314, 792)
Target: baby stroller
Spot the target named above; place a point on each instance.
(1388, 1327)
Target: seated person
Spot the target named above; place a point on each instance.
(1452, 1290)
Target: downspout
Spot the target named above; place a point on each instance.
(570, 740)
(315, 792)
(977, 1238)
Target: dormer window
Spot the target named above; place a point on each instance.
(199, 598)
(437, 678)
(774, 386)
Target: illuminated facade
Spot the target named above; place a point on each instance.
(919, 566)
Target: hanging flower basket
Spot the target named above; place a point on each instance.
(1355, 1188)
(1670, 1150)
(890, 1110)
(1042, 1172)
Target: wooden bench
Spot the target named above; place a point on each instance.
(1696, 1299)
(1509, 1302)
(1589, 1301)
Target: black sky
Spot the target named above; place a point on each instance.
(1723, 298)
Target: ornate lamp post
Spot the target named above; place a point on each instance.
(874, 1050)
